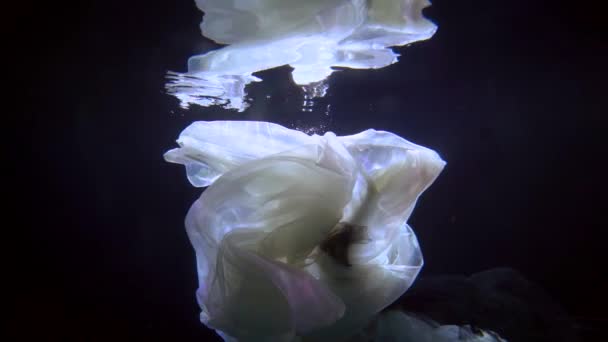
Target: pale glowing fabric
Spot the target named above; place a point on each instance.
(312, 36)
(274, 197)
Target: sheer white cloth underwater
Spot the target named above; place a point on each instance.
(268, 267)
(311, 36)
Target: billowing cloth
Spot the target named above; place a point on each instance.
(398, 326)
(312, 36)
(300, 237)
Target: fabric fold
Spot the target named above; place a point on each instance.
(297, 236)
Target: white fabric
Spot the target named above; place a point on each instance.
(312, 36)
(275, 196)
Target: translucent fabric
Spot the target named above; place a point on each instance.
(397, 326)
(311, 36)
(301, 237)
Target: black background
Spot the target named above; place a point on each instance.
(511, 94)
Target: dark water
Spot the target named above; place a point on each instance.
(510, 94)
